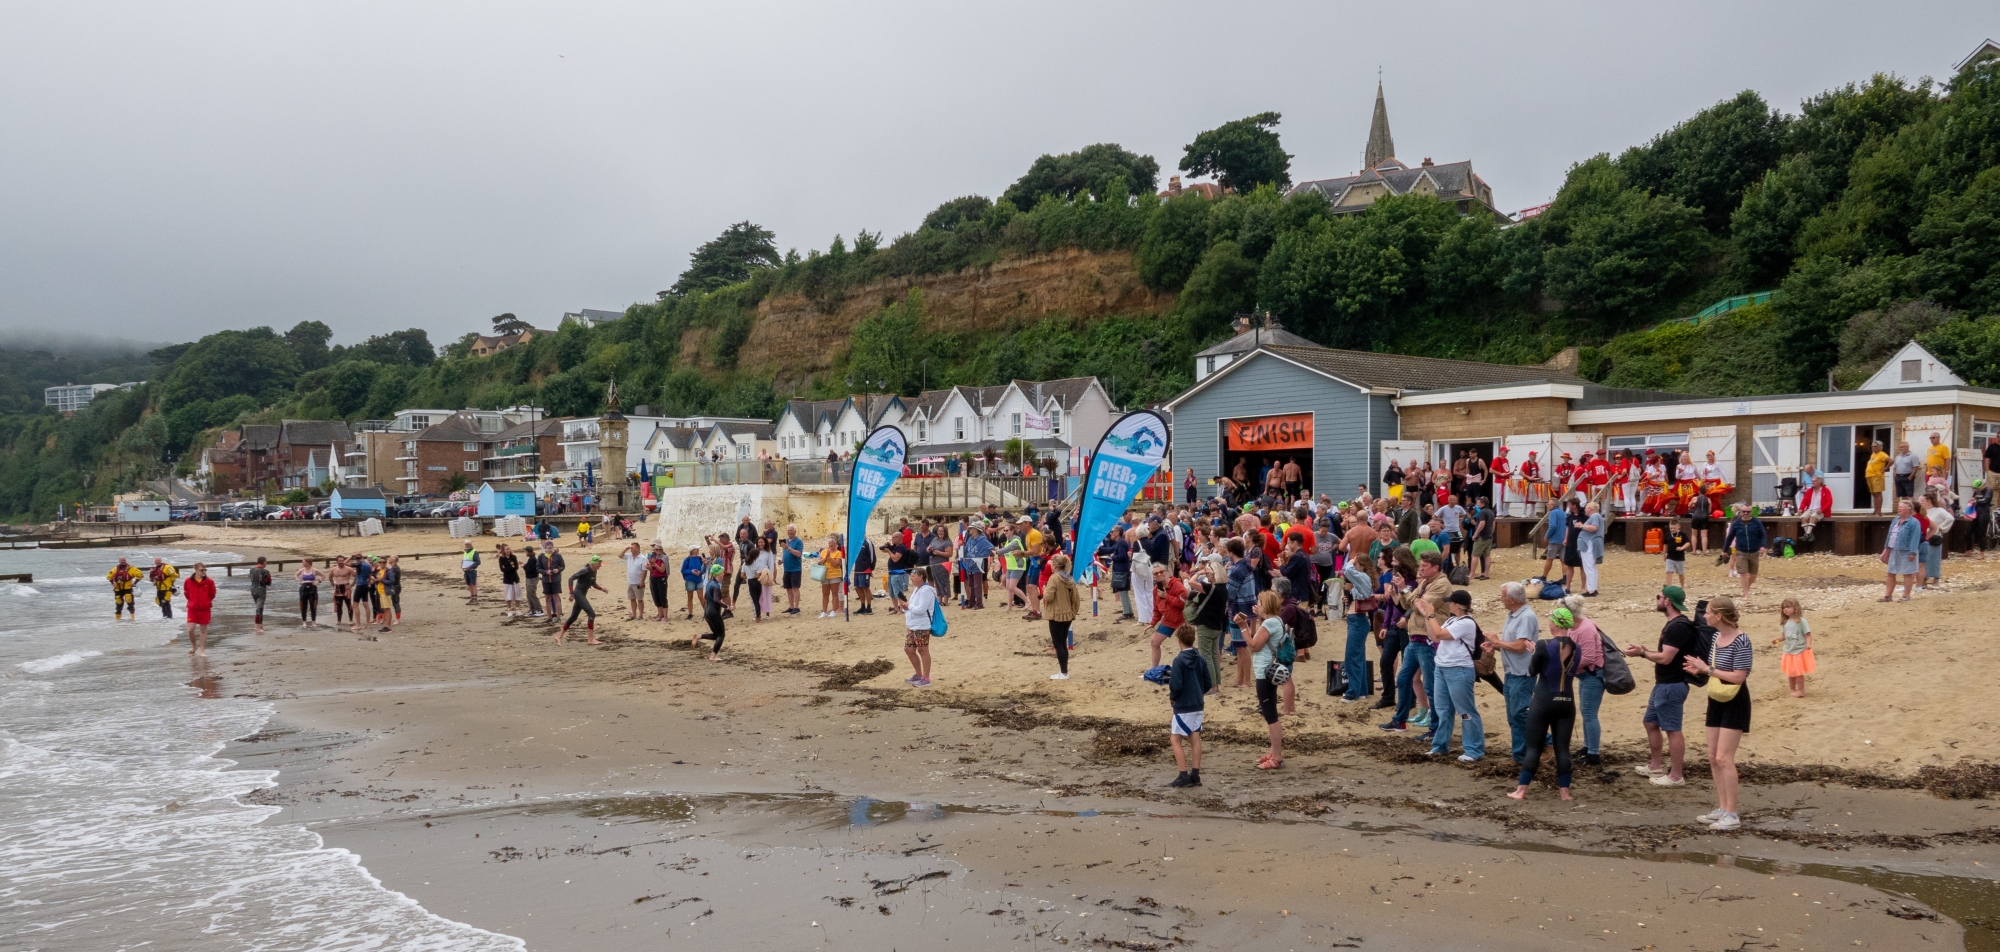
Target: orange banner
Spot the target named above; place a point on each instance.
(1264, 434)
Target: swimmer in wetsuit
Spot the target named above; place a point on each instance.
(308, 595)
(342, 577)
(124, 577)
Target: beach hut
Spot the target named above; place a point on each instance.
(350, 502)
(506, 499)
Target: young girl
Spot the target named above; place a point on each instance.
(1264, 641)
(1797, 639)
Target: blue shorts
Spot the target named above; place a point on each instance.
(1164, 630)
(1663, 709)
(899, 582)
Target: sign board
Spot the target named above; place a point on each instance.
(1265, 434)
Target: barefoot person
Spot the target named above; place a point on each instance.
(200, 591)
(917, 627)
(1796, 636)
(1553, 709)
(260, 588)
(580, 586)
(714, 601)
(308, 579)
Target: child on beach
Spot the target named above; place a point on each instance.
(1797, 639)
(1187, 683)
(1674, 545)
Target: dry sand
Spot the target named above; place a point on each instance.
(576, 796)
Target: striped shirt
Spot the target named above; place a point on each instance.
(1734, 656)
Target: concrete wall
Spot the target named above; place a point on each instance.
(687, 513)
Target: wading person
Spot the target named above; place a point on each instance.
(124, 578)
(164, 577)
(200, 602)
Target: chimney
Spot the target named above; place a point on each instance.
(1241, 324)
(1427, 161)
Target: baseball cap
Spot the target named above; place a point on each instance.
(1675, 597)
(1461, 597)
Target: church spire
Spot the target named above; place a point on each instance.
(1380, 145)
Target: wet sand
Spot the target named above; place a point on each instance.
(576, 797)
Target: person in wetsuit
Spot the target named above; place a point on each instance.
(580, 585)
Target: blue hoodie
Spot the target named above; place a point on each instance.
(691, 569)
(1187, 681)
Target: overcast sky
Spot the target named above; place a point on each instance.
(167, 170)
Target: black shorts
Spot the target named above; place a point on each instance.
(1733, 714)
(792, 578)
(1267, 699)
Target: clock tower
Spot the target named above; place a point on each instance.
(613, 430)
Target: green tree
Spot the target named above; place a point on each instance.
(411, 347)
(1222, 286)
(256, 362)
(1614, 254)
(950, 215)
(728, 258)
(505, 324)
(1089, 172)
(883, 351)
(1241, 155)
(1709, 161)
(686, 393)
(568, 394)
(1176, 235)
(1970, 346)
(308, 340)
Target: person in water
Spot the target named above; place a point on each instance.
(164, 577)
(200, 591)
(124, 578)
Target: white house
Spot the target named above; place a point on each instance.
(1913, 366)
(672, 444)
(809, 429)
(1052, 416)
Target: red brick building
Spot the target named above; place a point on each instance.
(431, 456)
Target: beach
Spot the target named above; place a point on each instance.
(798, 794)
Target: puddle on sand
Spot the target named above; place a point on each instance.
(1971, 902)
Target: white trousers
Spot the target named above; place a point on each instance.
(1142, 594)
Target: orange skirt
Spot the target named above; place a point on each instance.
(1798, 665)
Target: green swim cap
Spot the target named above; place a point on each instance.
(1562, 618)
(1421, 546)
(596, 559)
(715, 569)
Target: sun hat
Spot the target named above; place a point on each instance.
(1676, 597)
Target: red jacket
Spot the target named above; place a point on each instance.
(200, 592)
(1169, 600)
(1818, 499)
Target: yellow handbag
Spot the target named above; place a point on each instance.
(1719, 691)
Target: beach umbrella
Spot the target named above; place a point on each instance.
(643, 477)
(589, 477)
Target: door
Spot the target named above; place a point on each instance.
(1775, 453)
(1721, 440)
(1917, 431)
(1402, 451)
(1516, 501)
(1837, 468)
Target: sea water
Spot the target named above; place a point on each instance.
(119, 826)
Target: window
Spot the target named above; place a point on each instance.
(989, 429)
(1913, 371)
(1640, 444)
(1211, 364)
(1014, 423)
(471, 447)
(923, 431)
(742, 451)
(1055, 421)
(958, 429)
(472, 466)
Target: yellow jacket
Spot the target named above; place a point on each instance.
(168, 577)
(125, 579)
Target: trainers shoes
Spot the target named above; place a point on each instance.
(1469, 759)
(1058, 676)
(1728, 821)
(1663, 780)
(1395, 726)
(1711, 816)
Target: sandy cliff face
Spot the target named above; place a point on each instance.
(792, 337)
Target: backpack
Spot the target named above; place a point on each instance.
(1461, 575)
(938, 625)
(1616, 673)
(1551, 591)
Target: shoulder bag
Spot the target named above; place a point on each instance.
(1616, 673)
(1719, 691)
